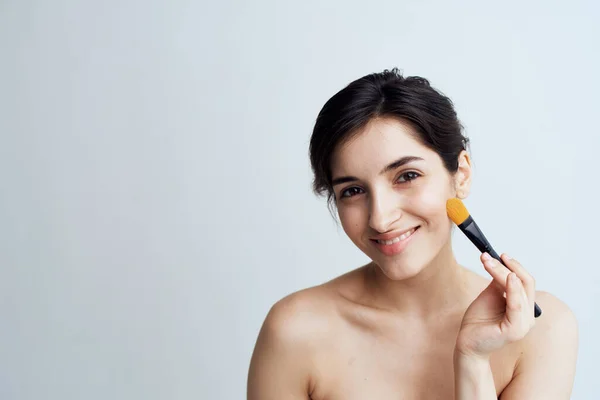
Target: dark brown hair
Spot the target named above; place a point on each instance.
(386, 94)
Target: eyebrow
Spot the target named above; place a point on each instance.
(396, 164)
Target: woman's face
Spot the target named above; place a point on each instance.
(391, 194)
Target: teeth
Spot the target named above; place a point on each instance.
(396, 240)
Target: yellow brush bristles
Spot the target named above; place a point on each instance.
(457, 211)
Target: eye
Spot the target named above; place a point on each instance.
(408, 176)
(350, 192)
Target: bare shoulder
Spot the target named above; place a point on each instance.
(556, 327)
(303, 315)
(312, 313)
(548, 354)
(556, 316)
(294, 331)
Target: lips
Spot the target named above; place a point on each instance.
(398, 238)
(394, 242)
(394, 235)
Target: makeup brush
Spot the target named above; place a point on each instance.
(460, 216)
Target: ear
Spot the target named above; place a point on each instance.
(463, 175)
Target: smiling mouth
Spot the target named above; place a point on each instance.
(395, 240)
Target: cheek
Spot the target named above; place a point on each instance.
(351, 220)
(430, 204)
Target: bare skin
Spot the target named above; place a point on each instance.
(411, 325)
(328, 342)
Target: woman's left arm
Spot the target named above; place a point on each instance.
(503, 314)
(546, 369)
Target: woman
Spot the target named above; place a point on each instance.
(388, 151)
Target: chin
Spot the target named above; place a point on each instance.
(400, 269)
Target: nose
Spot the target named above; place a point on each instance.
(384, 210)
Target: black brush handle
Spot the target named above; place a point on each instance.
(476, 236)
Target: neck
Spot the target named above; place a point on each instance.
(439, 289)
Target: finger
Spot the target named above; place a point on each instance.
(525, 277)
(498, 271)
(516, 323)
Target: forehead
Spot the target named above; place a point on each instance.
(381, 141)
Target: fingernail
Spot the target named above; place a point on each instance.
(488, 260)
(507, 257)
(514, 278)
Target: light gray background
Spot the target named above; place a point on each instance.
(155, 186)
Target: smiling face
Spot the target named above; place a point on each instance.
(391, 194)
